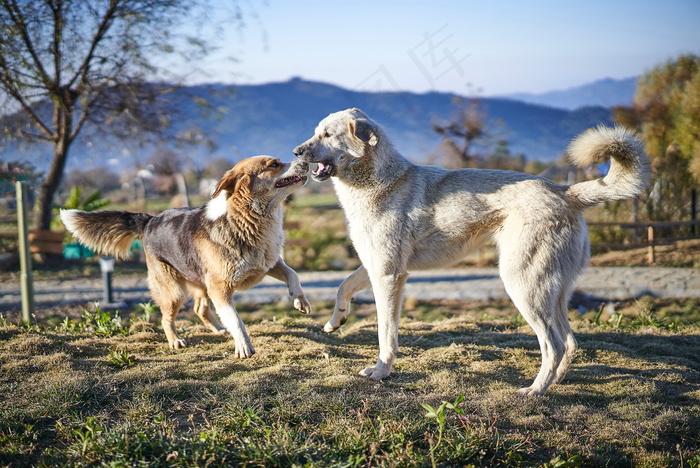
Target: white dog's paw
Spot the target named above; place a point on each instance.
(374, 373)
(302, 305)
(529, 391)
(329, 328)
(178, 344)
(244, 351)
(220, 331)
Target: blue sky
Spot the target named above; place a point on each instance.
(492, 48)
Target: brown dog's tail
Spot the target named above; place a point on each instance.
(629, 166)
(107, 232)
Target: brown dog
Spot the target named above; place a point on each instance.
(211, 251)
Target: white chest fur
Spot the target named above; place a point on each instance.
(216, 207)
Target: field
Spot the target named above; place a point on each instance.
(101, 388)
(104, 390)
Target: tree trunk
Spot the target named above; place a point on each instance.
(63, 121)
(464, 154)
(44, 209)
(693, 210)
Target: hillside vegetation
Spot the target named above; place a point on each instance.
(235, 122)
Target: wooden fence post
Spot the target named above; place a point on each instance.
(26, 282)
(693, 211)
(182, 189)
(635, 219)
(650, 239)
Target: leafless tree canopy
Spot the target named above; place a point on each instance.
(67, 62)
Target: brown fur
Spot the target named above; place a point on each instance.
(209, 252)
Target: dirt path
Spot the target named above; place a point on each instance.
(613, 283)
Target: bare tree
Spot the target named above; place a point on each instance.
(472, 140)
(165, 162)
(464, 130)
(64, 63)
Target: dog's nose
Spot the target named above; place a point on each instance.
(304, 166)
(298, 151)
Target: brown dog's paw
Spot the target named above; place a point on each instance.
(302, 305)
(178, 344)
(245, 351)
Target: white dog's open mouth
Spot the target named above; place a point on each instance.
(323, 171)
(290, 180)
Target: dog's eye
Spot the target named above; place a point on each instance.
(275, 165)
(326, 135)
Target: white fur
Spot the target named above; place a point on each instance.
(216, 207)
(403, 216)
(68, 219)
(232, 321)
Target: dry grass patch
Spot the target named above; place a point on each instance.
(680, 254)
(72, 396)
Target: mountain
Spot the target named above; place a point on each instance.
(241, 121)
(607, 92)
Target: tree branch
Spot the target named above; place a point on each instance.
(57, 38)
(11, 88)
(84, 114)
(16, 16)
(84, 68)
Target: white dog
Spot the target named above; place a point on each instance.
(402, 216)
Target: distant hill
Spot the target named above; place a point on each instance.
(241, 121)
(606, 93)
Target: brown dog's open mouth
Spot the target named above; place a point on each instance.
(290, 180)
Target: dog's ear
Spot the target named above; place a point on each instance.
(364, 130)
(233, 183)
(243, 185)
(224, 183)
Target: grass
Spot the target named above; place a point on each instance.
(99, 388)
(105, 390)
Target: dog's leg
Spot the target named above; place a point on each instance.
(534, 294)
(232, 321)
(564, 328)
(169, 310)
(579, 259)
(538, 265)
(283, 273)
(203, 311)
(535, 305)
(168, 290)
(357, 281)
(552, 348)
(388, 290)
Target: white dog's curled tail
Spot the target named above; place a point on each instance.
(107, 232)
(629, 166)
